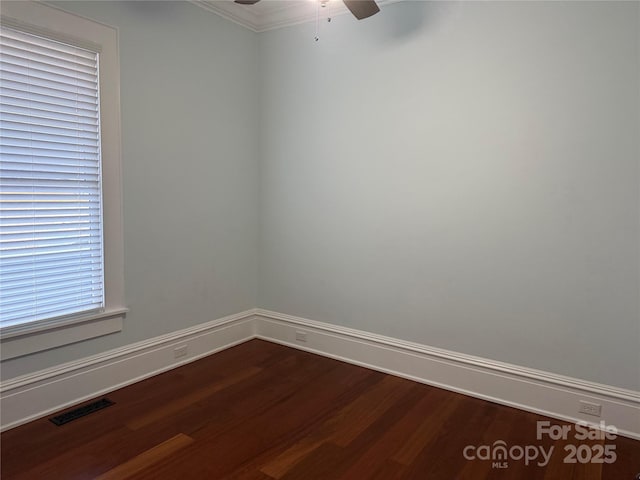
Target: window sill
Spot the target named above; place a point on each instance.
(23, 340)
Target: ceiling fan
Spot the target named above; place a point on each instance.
(359, 8)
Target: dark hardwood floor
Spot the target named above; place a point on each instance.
(262, 411)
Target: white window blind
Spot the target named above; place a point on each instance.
(51, 252)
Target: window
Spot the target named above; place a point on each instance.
(50, 188)
(60, 213)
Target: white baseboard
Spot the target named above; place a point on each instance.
(39, 394)
(32, 396)
(527, 389)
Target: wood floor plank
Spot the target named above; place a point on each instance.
(523, 432)
(230, 407)
(496, 431)
(389, 470)
(375, 444)
(80, 461)
(352, 461)
(145, 459)
(379, 450)
(220, 453)
(441, 455)
(185, 401)
(627, 459)
(261, 411)
(428, 427)
(46, 441)
(558, 469)
(321, 464)
(364, 411)
(384, 443)
(342, 427)
(251, 474)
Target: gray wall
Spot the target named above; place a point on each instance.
(463, 176)
(189, 109)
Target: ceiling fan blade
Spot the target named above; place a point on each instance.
(362, 8)
(247, 2)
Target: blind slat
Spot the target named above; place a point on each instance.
(15, 54)
(51, 48)
(50, 83)
(49, 90)
(51, 120)
(55, 72)
(47, 161)
(42, 111)
(60, 298)
(47, 258)
(54, 285)
(64, 101)
(20, 275)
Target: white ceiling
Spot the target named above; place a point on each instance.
(270, 14)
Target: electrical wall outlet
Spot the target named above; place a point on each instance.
(301, 336)
(180, 351)
(589, 408)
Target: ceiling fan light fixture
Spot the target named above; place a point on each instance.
(359, 8)
(362, 9)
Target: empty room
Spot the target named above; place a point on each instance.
(320, 240)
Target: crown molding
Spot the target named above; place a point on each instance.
(285, 14)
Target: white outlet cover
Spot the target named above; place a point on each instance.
(180, 351)
(590, 408)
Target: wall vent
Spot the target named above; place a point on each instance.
(81, 411)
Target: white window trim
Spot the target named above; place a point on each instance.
(54, 23)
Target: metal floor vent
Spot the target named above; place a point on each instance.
(81, 411)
